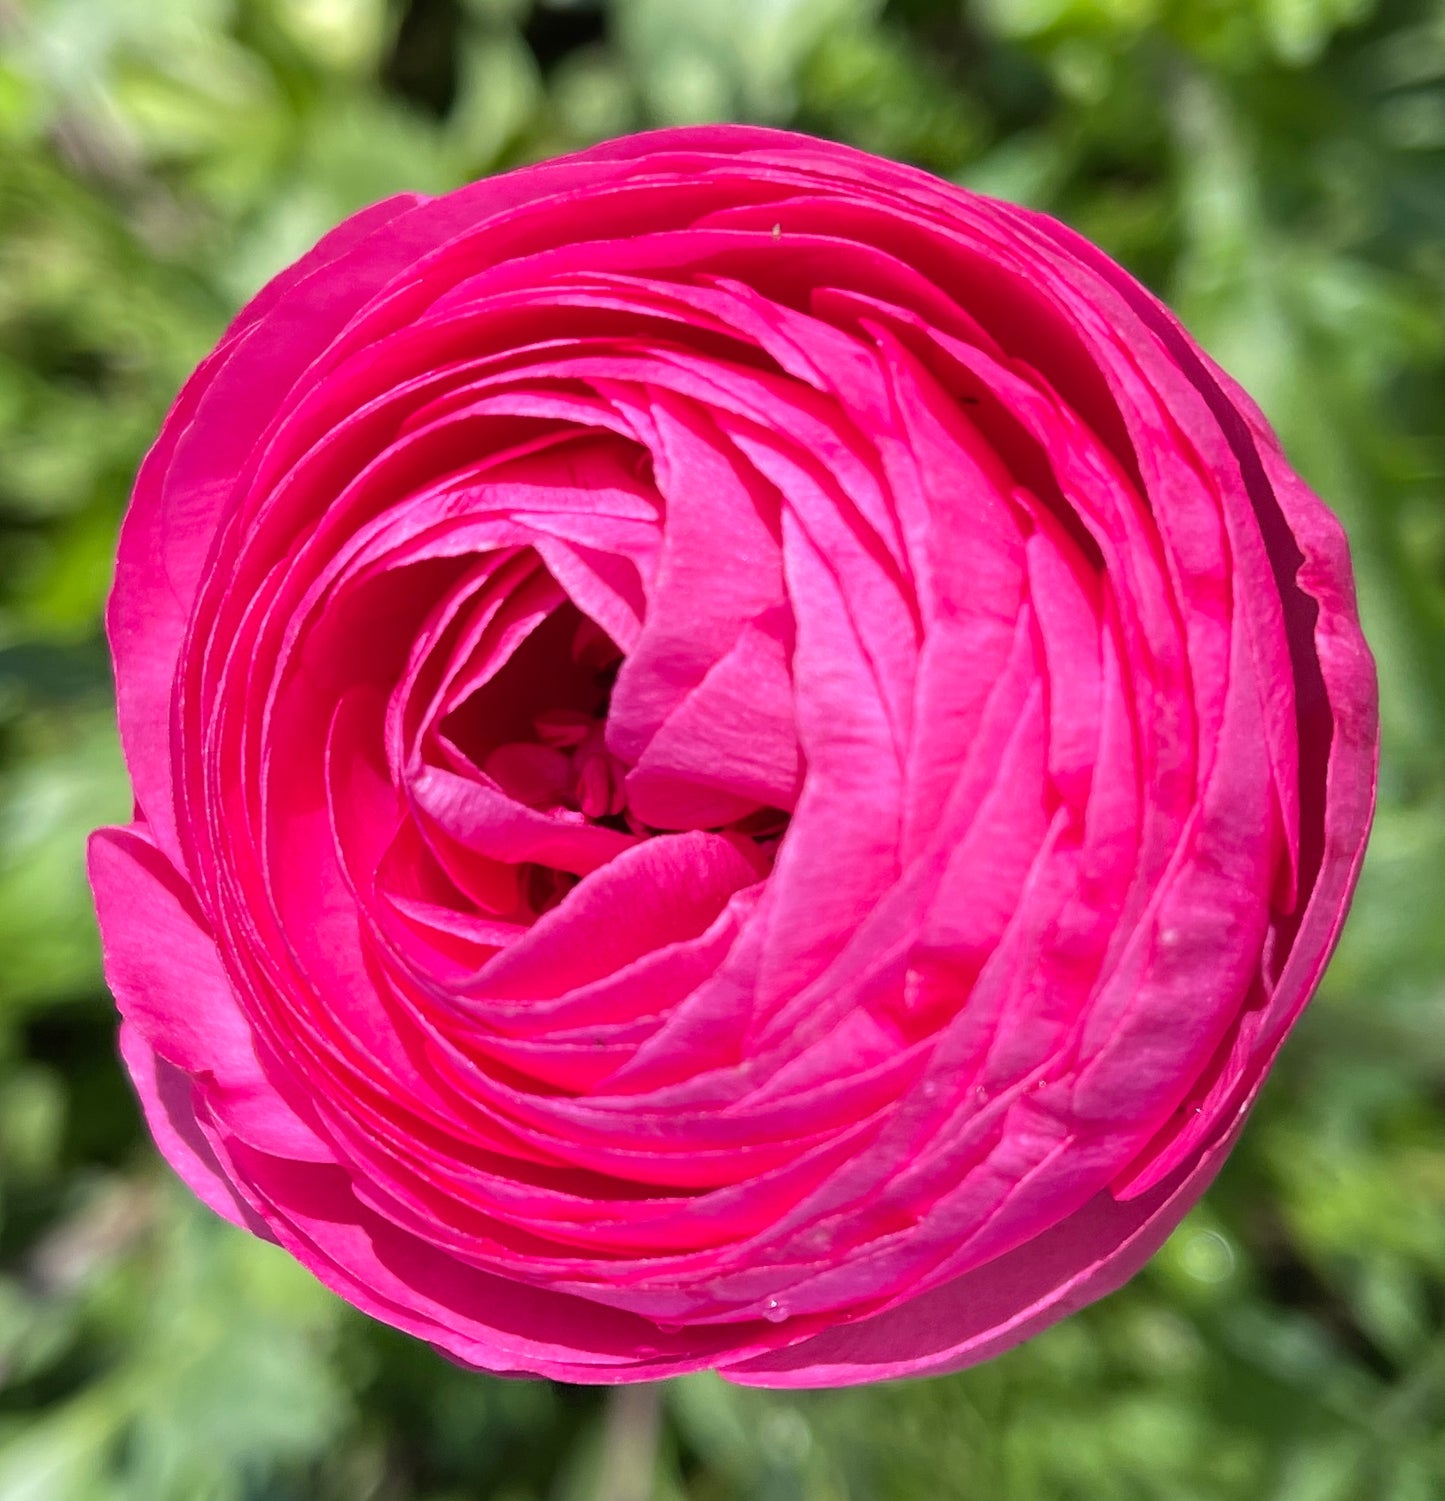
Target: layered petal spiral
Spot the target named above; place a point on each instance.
(742, 759)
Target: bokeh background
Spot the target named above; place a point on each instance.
(1276, 169)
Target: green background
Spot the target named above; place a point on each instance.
(1276, 169)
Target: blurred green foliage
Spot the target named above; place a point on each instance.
(1275, 168)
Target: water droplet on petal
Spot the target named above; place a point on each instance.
(774, 1312)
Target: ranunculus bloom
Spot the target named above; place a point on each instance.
(742, 759)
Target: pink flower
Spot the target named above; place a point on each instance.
(742, 759)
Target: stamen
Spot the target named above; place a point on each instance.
(597, 777)
(563, 728)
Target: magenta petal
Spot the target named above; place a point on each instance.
(731, 740)
(654, 894)
(172, 990)
(743, 759)
(175, 513)
(719, 568)
(166, 1098)
(485, 819)
(983, 1313)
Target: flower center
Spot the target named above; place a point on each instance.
(537, 732)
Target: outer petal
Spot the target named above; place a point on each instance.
(167, 978)
(983, 1313)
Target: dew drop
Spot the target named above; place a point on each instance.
(930, 1089)
(774, 1312)
(1207, 1256)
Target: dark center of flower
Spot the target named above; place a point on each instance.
(537, 730)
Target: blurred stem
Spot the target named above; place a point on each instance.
(633, 1423)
